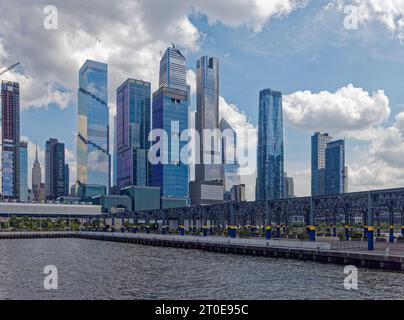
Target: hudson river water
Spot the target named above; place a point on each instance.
(106, 270)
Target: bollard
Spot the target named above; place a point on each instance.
(334, 231)
(147, 229)
(134, 229)
(365, 231)
(232, 231)
(205, 231)
(346, 233)
(370, 238)
(182, 230)
(391, 237)
(268, 231)
(163, 229)
(312, 233)
(122, 229)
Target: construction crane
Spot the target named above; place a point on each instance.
(9, 68)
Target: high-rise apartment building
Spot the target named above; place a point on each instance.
(93, 157)
(319, 143)
(10, 111)
(270, 153)
(132, 132)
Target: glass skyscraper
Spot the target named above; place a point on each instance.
(93, 157)
(318, 146)
(335, 170)
(55, 175)
(270, 151)
(132, 132)
(10, 112)
(170, 113)
(207, 118)
(23, 171)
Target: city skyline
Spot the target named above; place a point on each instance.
(371, 155)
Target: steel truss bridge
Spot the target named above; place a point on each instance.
(331, 209)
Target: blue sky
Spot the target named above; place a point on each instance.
(292, 46)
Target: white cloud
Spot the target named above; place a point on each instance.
(251, 13)
(389, 13)
(350, 111)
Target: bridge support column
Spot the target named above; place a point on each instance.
(347, 233)
(391, 234)
(268, 232)
(312, 233)
(123, 225)
(205, 230)
(278, 231)
(370, 238)
(182, 230)
(370, 223)
(391, 229)
(232, 231)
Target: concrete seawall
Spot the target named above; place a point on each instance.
(260, 248)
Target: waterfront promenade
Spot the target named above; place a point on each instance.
(386, 256)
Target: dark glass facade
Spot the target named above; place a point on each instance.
(132, 131)
(335, 167)
(55, 170)
(270, 151)
(318, 146)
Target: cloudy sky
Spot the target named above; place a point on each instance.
(348, 82)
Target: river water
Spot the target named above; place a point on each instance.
(106, 270)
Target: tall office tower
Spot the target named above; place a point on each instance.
(114, 157)
(55, 183)
(289, 186)
(318, 146)
(170, 113)
(10, 105)
(231, 166)
(36, 176)
(93, 157)
(335, 167)
(24, 171)
(132, 131)
(67, 179)
(270, 151)
(208, 185)
(207, 119)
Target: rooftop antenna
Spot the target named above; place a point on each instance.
(173, 44)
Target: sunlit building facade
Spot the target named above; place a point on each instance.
(318, 146)
(270, 153)
(93, 157)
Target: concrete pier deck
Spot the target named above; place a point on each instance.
(323, 251)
